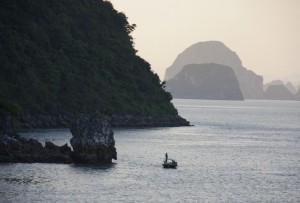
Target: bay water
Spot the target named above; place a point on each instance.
(236, 151)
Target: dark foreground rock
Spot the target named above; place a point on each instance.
(93, 141)
(17, 149)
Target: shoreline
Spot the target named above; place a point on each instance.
(44, 121)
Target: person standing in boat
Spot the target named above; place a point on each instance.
(166, 157)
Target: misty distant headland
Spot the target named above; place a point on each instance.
(278, 90)
(198, 84)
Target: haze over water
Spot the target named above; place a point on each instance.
(237, 151)
(264, 33)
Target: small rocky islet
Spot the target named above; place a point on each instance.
(93, 143)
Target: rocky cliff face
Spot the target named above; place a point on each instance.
(216, 52)
(278, 92)
(205, 81)
(93, 141)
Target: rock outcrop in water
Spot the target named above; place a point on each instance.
(205, 81)
(17, 149)
(216, 52)
(93, 141)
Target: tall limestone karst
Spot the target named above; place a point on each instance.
(216, 52)
(61, 58)
(205, 81)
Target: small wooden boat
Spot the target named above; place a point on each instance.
(170, 163)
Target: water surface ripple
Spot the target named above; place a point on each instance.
(237, 151)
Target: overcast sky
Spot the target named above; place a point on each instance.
(264, 33)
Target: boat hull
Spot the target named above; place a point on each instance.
(172, 164)
(169, 166)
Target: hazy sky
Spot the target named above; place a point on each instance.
(264, 33)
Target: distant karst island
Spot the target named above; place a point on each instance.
(205, 81)
(202, 84)
(277, 90)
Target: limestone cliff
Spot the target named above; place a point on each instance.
(93, 141)
(205, 81)
(216, 52)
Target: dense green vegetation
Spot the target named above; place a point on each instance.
(75, 56)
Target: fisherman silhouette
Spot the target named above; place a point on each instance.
(166, 157)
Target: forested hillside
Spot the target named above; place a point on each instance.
(75, 57)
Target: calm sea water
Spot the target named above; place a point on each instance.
(237, 151)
